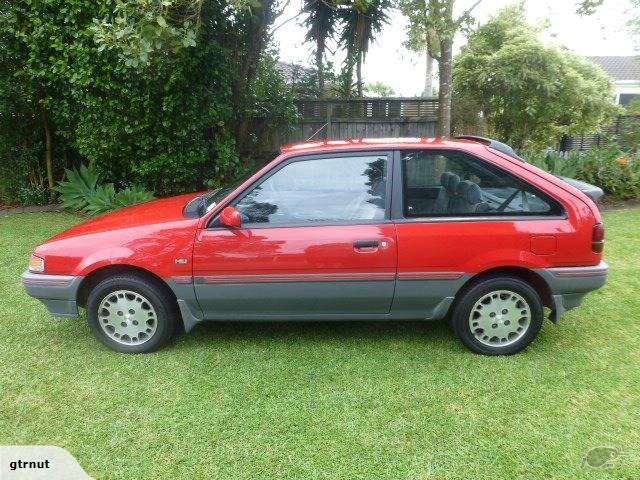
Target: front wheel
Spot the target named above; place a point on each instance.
(131, 314)
(498, 316)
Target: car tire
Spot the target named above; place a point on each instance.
(498, 316)
(131, 314)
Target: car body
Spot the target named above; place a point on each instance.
(375, 229)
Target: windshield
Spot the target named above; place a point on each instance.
(211, 199)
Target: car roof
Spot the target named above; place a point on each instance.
(319, 146)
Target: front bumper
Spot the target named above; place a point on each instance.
(569, 285)
(59, 293)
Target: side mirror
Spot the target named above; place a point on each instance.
(230, 217)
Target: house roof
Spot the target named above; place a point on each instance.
(619, 67)
(292, 71)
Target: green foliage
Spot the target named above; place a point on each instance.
(106, 198)
(21, 136)
(21, 170)
(378, 89)
(568, 164)
(83, 192)
(345, 87)
(632, 14)
(28, 195)
(138, 28)
(531, 93)
(101, 200)
(132, 195)
(430, 21)
(465, 118)
(305, 82)
(588, 7)
(615, 171)
(81, 184)
(321, 21)
(361, 21)
(123, 95)
(273, 104)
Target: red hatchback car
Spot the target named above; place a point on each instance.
(374, 229)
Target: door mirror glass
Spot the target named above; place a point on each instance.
(230, 217)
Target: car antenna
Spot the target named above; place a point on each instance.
(316, 132)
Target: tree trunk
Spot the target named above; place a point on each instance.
(320, 66)
(48, 155)
(359, 74)
(445, 87)
(261, 17)
(428, 81)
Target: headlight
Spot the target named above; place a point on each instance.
(36, 264)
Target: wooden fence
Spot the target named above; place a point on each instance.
(625, 131)
(355, 118)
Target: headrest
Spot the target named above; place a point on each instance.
(444, 179)
(474, 194)
(454, 181)
(463, 186)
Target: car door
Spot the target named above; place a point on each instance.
(315, 241)
(490, 219)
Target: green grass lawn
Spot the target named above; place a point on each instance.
(326, 400)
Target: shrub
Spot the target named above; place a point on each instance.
(81, 184)
(615, 171)
(565, 165)
(22, 178)
(83, 192)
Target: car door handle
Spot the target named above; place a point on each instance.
(366, 244)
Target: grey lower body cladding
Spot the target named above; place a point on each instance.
(569, 285)
(59, 293)
(415, 295)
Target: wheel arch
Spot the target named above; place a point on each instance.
(530, 276)
(102, 273)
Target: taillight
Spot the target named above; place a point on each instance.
(597, 239)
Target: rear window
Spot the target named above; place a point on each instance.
(451, 183)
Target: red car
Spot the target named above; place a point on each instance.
(378, 229)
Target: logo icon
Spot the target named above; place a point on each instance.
(601, 457)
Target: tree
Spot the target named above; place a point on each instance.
(97, 89)
(378, 89)
(169, 27)
(321, 21)
(432, 28)
(362, 20)
(589, 7)
(529, 92)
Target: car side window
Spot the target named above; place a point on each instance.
(320, 190)
(452, 183)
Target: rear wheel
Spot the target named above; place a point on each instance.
(498, 316)
(131, 314)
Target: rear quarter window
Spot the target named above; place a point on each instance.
(453, 183)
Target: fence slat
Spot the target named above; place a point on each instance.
(623, 131)
(355, 118)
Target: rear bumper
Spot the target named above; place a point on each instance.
(569, 285)
(57, 292)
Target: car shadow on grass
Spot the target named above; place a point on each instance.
(318, 332)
